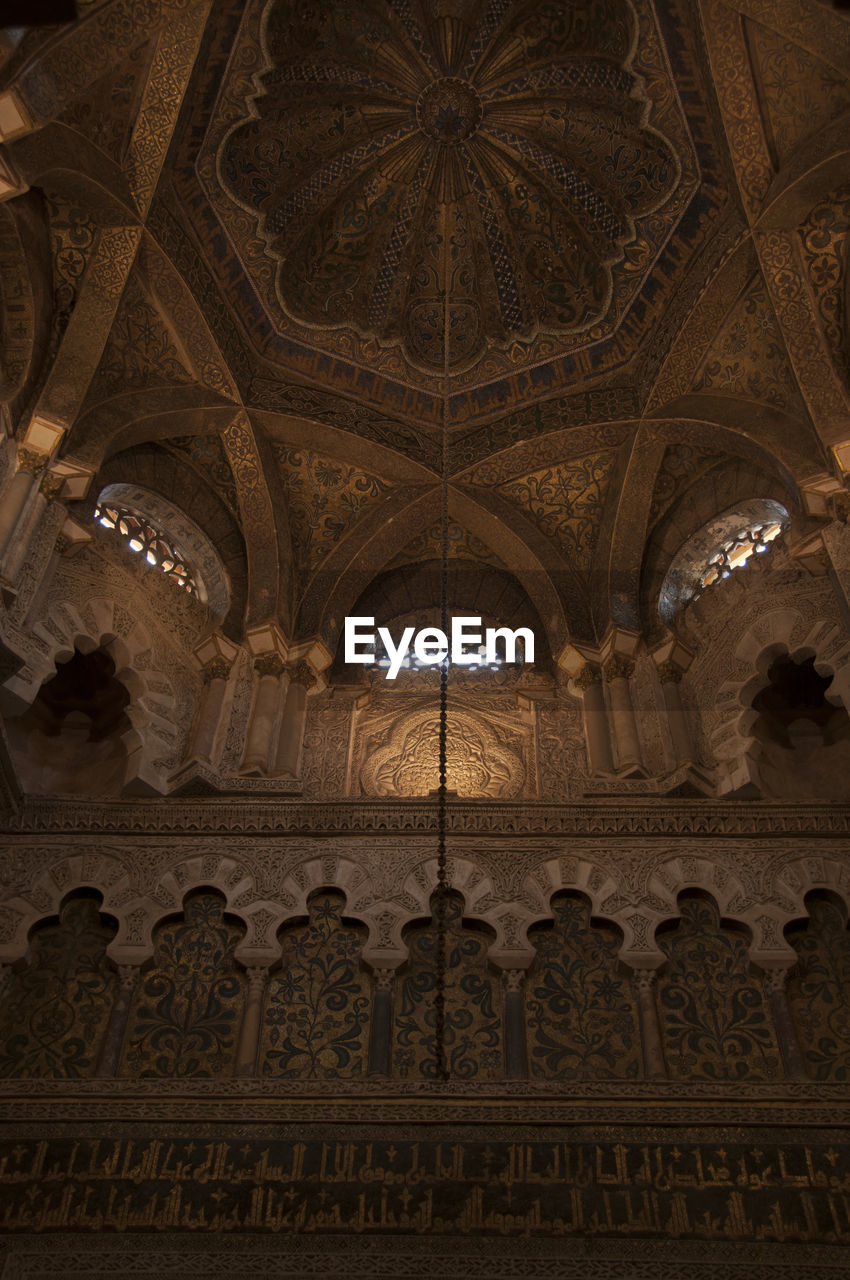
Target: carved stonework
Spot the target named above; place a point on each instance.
(218, 669)
(31, 461)
(51, 485)
(486, 757)
(619, 667)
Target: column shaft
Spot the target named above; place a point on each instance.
(209, 712)
(783, 1023)
(264, 714)
(655, 1068)
(249, 1032)
(113, 1041)
(17, 495)
(380, 1030)
(596, 721)
(516, 1053)
(679, 732)
(618, 672)
(290, 740)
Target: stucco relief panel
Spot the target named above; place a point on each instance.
(490, 750)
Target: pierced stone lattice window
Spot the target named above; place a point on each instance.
(148, 540)
(725, 543)
(736, 551)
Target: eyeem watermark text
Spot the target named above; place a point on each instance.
(431, 644)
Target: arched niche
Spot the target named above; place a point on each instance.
(473, 1030)
(318, 999)
(714, 1016)
(764, 636)
(801, 738)
(56, 1007)
(580, 1015)
(186, 1012)
(818, 986)
(75, 737)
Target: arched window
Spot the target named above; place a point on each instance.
(146, 537)
(726, 543)
(167, 539)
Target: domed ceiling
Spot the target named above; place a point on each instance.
(367, 172)
(494, 165)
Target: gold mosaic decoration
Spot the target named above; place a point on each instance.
(566, 501)
(326, 498)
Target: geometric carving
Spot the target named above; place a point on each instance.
(419, 134)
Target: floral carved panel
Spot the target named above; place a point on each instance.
(55, 1011)
(473, 1021)
(185, 1016)
(580, 1016)
(713, 1013)
(317, 1009)
(819, 990)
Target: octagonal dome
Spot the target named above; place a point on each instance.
(485, 162)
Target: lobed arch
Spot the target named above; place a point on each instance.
(782, 630)
(153, 711)
(101, 872)
(800, 876)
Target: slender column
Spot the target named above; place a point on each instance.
(654, 1066)
(789, 1046)
(595, 719)
(113, 1041)
(670, 676)
(215, 676)
(516, 1053)
(249, 1032)
(269, 669)
(380, 1030)
(30, 464)
(291, 736)
(49, 488)
(618, 672)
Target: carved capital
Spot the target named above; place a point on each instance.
(645, 981)
(257, 975)
(669, 673)
(840, 503)
(513, 979)
(129, 975)
(384, 979)
(51, 485)
(591, 673)
(218, 669)
(619, 667)
(31, 461)
(269, 664)
(774, 980)
(301, 673)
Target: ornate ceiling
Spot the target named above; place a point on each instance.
(241, 228)
(497, 165)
